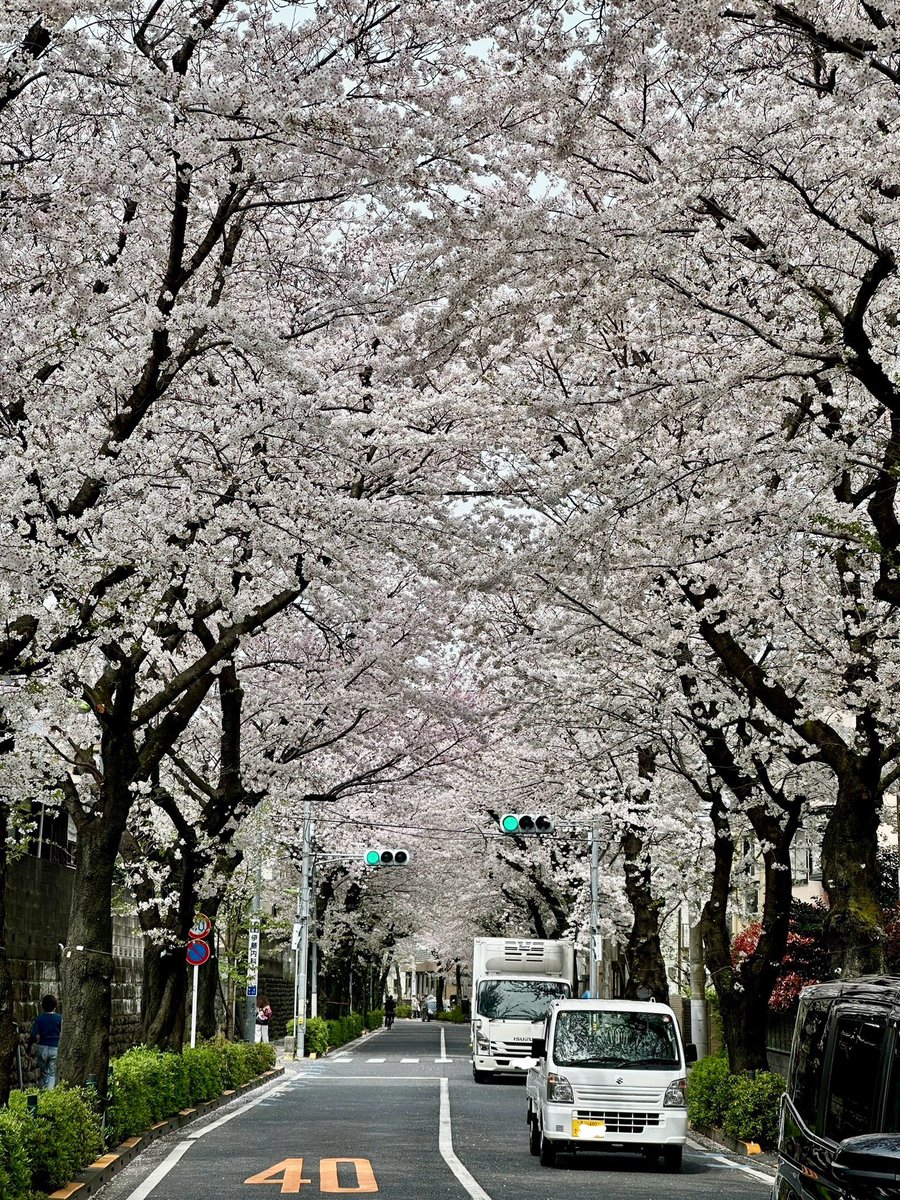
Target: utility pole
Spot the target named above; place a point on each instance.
(699, 1030)
(303, 947)
(250, 1004)
(314, 947)
(595, 914)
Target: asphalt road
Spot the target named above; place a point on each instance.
(398, 1113)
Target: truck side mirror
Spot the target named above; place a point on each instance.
(538, 1048)
(690, 1053)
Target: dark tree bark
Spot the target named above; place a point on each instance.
(87, 968)
(744, 991)
(643, 952)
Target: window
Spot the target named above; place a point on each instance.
(892, 1092)
(615, 1039)
(854, 1075)
(809, 1059)
(518, 999)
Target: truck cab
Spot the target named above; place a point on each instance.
(609, 1074)
(514, 980)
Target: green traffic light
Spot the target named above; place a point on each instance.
(373, 858)
(510, 823)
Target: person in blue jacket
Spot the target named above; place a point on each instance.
(45, 1031)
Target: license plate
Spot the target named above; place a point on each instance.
(588, 1130)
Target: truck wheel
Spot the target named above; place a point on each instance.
(481, 1076)
(546, 1151)
(672, 1158)
(534, 1137)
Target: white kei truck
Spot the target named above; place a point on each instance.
(609, 1075)
(513, 981)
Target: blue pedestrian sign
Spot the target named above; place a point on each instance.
(251, 991)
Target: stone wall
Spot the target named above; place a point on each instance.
(39, 896)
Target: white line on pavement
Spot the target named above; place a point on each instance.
(409, 1060)
(376, 1060)
(739, 1166)
(445, 1144)
(443, 1044)
(144, 1189)
(161, 1172)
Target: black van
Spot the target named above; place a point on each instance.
(840, 1119)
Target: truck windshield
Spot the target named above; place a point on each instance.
(518, 999)
(615, 1039)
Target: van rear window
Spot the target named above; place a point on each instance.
(615, 1039)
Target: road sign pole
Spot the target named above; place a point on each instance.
(194, 1008)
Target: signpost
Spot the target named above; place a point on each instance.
(197, 953)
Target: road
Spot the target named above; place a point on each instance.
(398, 1113)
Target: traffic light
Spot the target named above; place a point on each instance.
(526, 823)
(387, 858)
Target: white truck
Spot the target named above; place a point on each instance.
(513, 982)
(610, 1075)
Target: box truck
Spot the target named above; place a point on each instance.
(513, 982)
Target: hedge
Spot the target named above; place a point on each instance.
(59, 1137)
(42, 1149)
(454, 1015)
(745, 1106)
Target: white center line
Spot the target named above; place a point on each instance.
(445, 1144)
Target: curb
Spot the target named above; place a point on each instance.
(719, 1136)
(88, 1181)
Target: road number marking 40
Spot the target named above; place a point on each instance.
(289, 1173)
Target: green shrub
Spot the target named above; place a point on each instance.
(146, 1086)
(15, 1172)
(709, 1091)
(316, 1036)
(404, 1010)
(205, 1074)
(454, 1015)
(61, 1137)
(375, 1018)
(752, 1115)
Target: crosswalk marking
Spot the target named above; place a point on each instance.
(409, 1060)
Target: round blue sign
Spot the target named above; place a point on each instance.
(197, 953)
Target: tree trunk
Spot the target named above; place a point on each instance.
(643, 952)
(208, 992)
(744, 992)
(164, 996)
(439, 993)
(87, 968)
(8, 1035)
(853, 928)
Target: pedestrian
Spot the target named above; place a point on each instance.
(414, 1006)
(45, 1032)
(263, 1017)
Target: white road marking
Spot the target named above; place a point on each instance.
(161, 1172)
(739, 1166)
(445, 1144)
(238, 1112)
(376, 1060)
(409, 1060)
(443, 1044)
